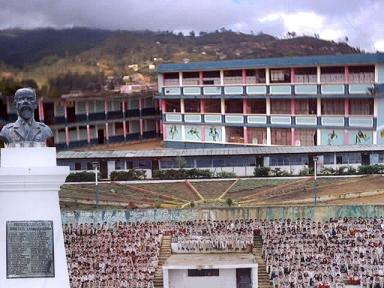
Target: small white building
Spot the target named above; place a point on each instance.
(230, 270)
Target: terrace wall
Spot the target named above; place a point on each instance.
(318, 213)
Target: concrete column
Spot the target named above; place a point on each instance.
(66, 136)
(200, 78)
(124, 129)
(245, 134)
(157, 127)
(318, 75)
(376, 73)
(180, 79)
(318, 107)
(346, 137)
(268, 108)
(267, 80)
(293, 103)
(88, 134)
(245, 106)
(222, 106)
(346, 107)
(106, 131)
(221, 77)
(293, 137)
(254, 276)
(244, 76)
(182, 107)
(224, 140)
(292, 75)
(269, 139)
(374, 136)
(203, 134)
(318, 137)
(202, 107)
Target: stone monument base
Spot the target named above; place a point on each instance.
(32, 253)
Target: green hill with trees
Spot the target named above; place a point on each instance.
(57, 61)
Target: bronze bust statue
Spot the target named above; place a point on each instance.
(25, 129)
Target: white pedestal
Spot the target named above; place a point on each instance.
(29, 185)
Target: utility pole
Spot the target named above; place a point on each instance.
(96, 166)
(314, 187)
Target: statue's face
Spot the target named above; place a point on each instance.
(26, 105)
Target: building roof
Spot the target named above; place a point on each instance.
(209, 261)
(260, 150)
(297, 61)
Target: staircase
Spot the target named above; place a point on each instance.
(165, 252)
(263, 277)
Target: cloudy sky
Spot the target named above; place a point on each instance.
(362, 21)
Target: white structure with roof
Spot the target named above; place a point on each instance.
(232, 270)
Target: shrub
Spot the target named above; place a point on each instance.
(306, 171)
(182, 174)
(83, 176)
(261, 171)
(229, 202)
(371, 169)
(328, 171)
(128, 175)
(280, 173)
(225, 174)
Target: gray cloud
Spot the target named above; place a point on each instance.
(357, 19)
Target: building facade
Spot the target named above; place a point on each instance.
(295, 101)
(82, 120)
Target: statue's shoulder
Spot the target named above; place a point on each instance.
(45, 128)
(8, 126)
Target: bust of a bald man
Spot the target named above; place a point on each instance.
(25, 129)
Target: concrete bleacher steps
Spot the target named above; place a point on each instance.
(263, 277)
(165, 252)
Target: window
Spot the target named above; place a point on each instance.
(361, 74)
(280, 106)
(329, 159)
(192, 105)
(332, 74)
(234, 134)
(361, 106)
(211, 78)
(89, 166)
(119, 128)
(257, 136)
(280, 75)
(306, 106)
(203, 272)
(172, 105)
(305, 137)
(234, 106)
(191, 78)
(255, 76)
(171, 79)
(281, 136)
(306, 75)
(256, 106)
(212, 106)
(332, 106)
(233, 77)
(77, 166)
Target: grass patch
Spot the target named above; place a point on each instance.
(250, 184)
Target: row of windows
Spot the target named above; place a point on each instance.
(231, 161)
(278, 106)
(355, 74)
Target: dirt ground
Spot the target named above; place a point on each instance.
(260, 192)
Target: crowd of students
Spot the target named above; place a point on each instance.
(300, 253)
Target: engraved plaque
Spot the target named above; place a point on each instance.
(30, 249)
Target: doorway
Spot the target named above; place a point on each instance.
(243, 278)
(100, 136)
(365, 159)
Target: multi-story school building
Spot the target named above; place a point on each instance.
(88, 119)
(298, 101)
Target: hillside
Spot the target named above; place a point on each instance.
(44, 54)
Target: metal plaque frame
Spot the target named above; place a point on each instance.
(51, 248)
